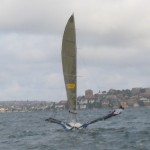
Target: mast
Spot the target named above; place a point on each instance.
(69, 56)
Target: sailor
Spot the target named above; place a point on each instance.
(114, 112)
(118, 111)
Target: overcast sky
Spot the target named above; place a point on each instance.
(113, 41)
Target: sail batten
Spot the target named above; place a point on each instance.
(69, 63)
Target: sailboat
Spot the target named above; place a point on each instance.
(69, 65)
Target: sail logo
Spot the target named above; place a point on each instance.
(70, 86)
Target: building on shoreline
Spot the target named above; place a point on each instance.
(135, 97)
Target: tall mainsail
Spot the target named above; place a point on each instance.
(69, 54)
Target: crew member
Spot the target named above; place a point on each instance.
(115, 112)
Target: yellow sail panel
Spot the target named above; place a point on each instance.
(70, 86)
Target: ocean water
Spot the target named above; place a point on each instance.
(29, 131)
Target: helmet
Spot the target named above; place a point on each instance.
(121, 107)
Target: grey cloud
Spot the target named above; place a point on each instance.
(112, 40)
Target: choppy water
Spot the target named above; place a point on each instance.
(29, 131)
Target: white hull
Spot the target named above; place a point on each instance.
(75, 124)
